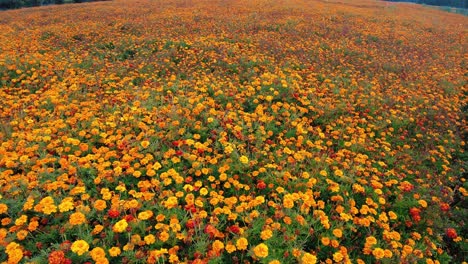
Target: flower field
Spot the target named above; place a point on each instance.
(217, 131)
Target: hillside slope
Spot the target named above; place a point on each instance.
(233, 132)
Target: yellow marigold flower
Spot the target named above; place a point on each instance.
(77, 218)
(100, 205)
(242, 243)
(323, 173)
(203, 191)
(308, 258)
(388, 253)
(33, 226)
(66, 205)
(163, 236)
(145, 215)
(288, 201)
(339, 173)
(392, 215)
(378, 253)
(15, 256)
(217, 245)
(97, 253)
(97, 229)
(145, 143)
(150, 239)
(11, 247)
(21, 220)
(338, 256)
(275, 262)
(47, 205)
(120, 226)
(114, 251)
(80, 247)
(22, 234)
(244, 159)
(230, 248)
(371, 240)
(261, 250)
(171, 202)
(266, 234)
(407, 249)
(337, 232)
(422, 203)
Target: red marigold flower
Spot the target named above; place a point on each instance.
(261, 185)
(234, 229)
(444, 207)
(451, 233)
(112, 213)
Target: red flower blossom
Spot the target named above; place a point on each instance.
(112, 213)
(451, 233)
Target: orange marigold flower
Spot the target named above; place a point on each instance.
(378, 253)
(338, 256)
(261, 250)
(77, 218)
(242, 243)
(218, 245)
(97, 253)
(56, 257)
(337, 232)
(145, 143)
(114, 251)
(145, 215)
(100, 205)
(150, 239)
(308, 258)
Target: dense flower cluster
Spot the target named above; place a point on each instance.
(240, 131)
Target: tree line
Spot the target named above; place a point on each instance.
(452, 3)
(11, 4)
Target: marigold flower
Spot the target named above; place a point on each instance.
(338, 233)
(308, 258)
(66, 205)
(164, 236)
(47, 205)
(120, 226)
(97, 229)
(100, 205)
(266, 234)
(378, 253)
(230, 248)
(114, 251)
(217, 245)
(339, 173)
(242, 243)
(145, 215)
(451, 233)
(145, 143)
(325, 241)
(56, 257)
(22, 234)
(97, 253)
(80, 247)
(77, 218)
(244, 159)
(261, 250)
(149, 239)
(338, 256)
